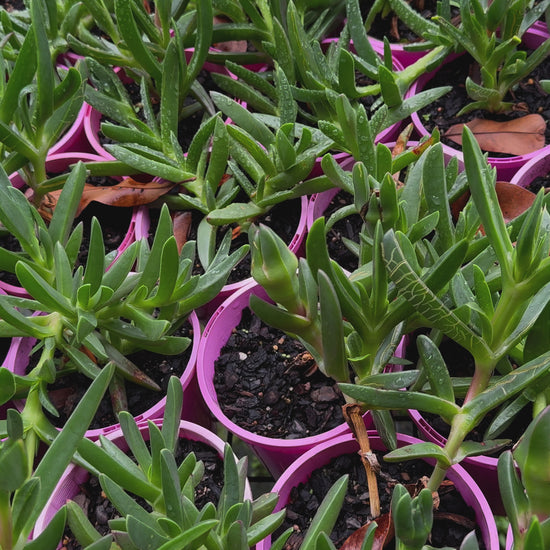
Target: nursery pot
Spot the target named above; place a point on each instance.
(506, 166)
(19, 354)
(276, 453)
(74, 140)
(70, 482)
(320, 455)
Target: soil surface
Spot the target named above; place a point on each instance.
(306, 497)
(11, 5)
(392, 28)
(263, 384)
(348, 228)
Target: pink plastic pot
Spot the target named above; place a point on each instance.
(509, 539)
(276, 453)
(18, 358)
(508, 166)
(319, 456)
(74, 140)
(70, 482)
(59, 163)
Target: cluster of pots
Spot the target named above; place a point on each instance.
(289, 461)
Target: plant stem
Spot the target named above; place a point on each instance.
(6, 542)
(460, 428)
(352, 414)
(426, 63)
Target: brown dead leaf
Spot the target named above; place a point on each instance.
(128, 192)
(513, 199)
(382, 536)
(182, 224)
(519, 136)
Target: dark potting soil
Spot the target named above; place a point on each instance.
(305, 499)
(348, 228)
(68, 389)
(11, 5)
(539, 183)
(263, 384)
(100, 510)
(9, 242)
(442, 112)
(114, 221)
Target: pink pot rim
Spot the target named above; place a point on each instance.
(69, 484)
(488, 462)
(537, 166)
(302, 467)
(74, 139)
(19, 353)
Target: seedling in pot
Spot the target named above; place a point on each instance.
(23, 491)
(488, 310)
(96, 314)
(270, 161)
(174, 520)
(139, 42)
(306, 84)
(356, 320)
(491, 34)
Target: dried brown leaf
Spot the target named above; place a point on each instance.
(513, 199)
(382, 536)
(182, 224)
(127, 193)
(519, 136)
(236, 46)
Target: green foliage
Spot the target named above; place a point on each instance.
(107, 308)
(479, 312)
(174, 521)
(38, 102)
(524, 496)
